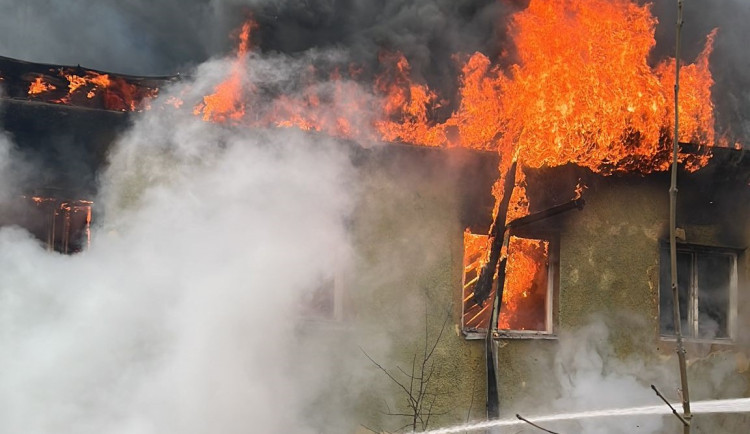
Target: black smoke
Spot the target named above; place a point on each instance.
(730, 61)
(152, 38)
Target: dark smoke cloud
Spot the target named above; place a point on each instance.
(147, 38)
(730, 61)
(136, 36)
(428, 32)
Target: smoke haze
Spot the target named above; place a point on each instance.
(180, 316)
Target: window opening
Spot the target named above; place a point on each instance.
(707, 284)
(527, 296)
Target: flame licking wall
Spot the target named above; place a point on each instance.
(540, 90)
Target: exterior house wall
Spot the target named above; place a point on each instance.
(401, 293)
(607, 328)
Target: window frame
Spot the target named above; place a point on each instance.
(693, 319)
(551, 301)
(308, 314)
(553, 285)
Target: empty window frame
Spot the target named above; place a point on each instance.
(324, 301)
(526, 308)
(62, 225)
(707, 287)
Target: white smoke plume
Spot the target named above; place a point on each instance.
(592, 377)
(180, 317)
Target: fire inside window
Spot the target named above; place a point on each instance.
(707, 285)
(527, 293)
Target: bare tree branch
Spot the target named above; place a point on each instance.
(385, 371)
(420, 400)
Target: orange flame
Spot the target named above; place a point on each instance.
(407, 103)
(40, 86)
(74, 82)
(334, 107)
(582, 92)
(226, 103)
(115, 93)
(524, 302)
(476, 248)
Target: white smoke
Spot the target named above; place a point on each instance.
(181, 315)
(593, 377)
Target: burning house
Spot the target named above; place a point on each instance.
(62, 120)
(295, 242)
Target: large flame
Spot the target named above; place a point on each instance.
(581, 91)
(227, 102)
(584, 93)
(525, 294)
(406, 102)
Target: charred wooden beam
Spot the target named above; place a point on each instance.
(487, 274)
(498, 264)
(577, 203)
(78, 86)
(484, 286)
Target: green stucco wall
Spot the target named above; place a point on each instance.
(608, 303)
(401, 291)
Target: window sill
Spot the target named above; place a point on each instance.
(689, 340)
(473, 335)
(510, 334)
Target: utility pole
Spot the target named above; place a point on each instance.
(686, 415)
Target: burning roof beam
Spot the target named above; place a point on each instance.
(78, 86)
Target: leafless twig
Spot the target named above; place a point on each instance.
(416, 385)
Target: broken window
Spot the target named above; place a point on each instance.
(62, 225)
(526, 305)
(474, 317)
(707, 283)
